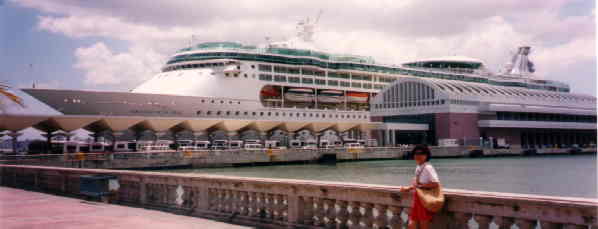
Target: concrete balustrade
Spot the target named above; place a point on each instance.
(281, 203)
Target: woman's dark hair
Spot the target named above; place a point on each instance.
(422, 149)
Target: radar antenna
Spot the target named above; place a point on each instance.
(306, 28)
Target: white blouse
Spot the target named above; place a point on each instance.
(428, 175)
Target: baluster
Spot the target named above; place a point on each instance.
(261, 212)
(234, 201)
(483, 221)
(396, 222)
(280, 207)
(368, 215)
(503, 222)
(342, 215)
(308, 211)
(217, 200)
(224, 200)
(550, 225)
(320, 212)
(271, 207)
(382, 218)
(461, 219)
(330, 213)
(525, 223)
(255, 212)
(355, 216)
(244, 208)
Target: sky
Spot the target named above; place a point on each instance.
(117, 44)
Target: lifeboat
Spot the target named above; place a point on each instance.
(299, 95)
(357, 97)
(270, 92)
(330, 96)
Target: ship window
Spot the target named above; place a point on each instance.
(221, 101)
(307, 80)
(311, 115)
(245, 75)
(238, 102)
(304, 115)
(276, 113)
(228, 113)
(218, 113)
(225, 74)
(290, 114)
(202, 101)
(245, 113)
(209, 113)
(253, 113)
(198, 113)
(237, 113)
(269, 113)
(236, 75)
(261, 113)
(332, 83)
(252, 66)
(212, 101)
(230, 102)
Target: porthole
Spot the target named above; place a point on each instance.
(228, 113)
(245, 113)
(221, 101)
(209, 113)
(198, 112)
(218, 113)
(237, 113)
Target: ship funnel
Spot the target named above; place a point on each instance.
(520, 63)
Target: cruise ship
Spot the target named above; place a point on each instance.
(285, 81)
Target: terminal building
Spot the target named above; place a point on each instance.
(474, 113)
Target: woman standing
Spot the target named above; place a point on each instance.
(425, 178)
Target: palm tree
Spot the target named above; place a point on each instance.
(11, 97)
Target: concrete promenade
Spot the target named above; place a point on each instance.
(26, 209)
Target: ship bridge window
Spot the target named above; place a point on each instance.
(265, 68)
(265, 77)
(307, 80)
(294, 79)
(345, 84)
(332, 82)
(320, 82)
(280, 78)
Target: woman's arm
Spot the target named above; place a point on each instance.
(428, 185)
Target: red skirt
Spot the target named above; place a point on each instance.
(418, 211)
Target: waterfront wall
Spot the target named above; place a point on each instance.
(222, 158)
(282, 203)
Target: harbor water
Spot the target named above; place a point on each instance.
(574, 176)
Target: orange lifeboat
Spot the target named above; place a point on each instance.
(357, 97)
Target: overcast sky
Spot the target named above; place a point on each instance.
(117, 44)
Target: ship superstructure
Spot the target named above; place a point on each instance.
(284, 81)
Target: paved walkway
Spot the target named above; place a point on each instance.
(25, 209)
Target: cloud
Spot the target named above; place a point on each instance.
(391, 31)
(103, 67)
